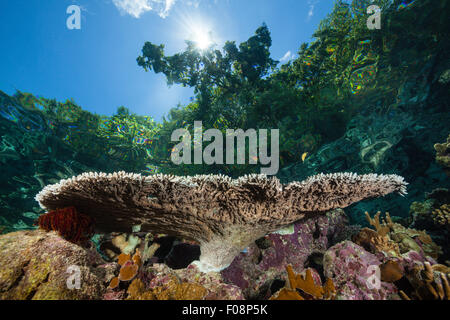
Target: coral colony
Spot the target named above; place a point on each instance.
(225, 216)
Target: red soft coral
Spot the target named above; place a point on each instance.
(71, 225)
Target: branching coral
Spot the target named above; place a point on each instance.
(71, 225)
(429, 283)
(394, 239)
(305, 288)
(222, 214)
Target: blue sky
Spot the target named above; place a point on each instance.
(96, 65)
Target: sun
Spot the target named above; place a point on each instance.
(201, 37)
(198, 29)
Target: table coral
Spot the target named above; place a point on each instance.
(222, 214)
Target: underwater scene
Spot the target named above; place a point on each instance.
(225, 150)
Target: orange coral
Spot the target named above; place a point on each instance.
(71, 225)
(395, 239)
(123, 258)
(128, 272)
(137, 260)
(305, 288)
(382, 229)
(391, 271)
(114, 283)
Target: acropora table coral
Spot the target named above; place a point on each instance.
(222, 214)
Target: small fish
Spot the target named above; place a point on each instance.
(304, 156)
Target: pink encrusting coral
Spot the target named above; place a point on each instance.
(224, 215)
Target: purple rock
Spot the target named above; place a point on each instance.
(354, 273)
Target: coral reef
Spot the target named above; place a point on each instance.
(159, 282)
(443, 155)
(38, 265)
(222, 214)
(395, 239)
(300, 245)
(129, 268)
(432, 215)
(71, 225)
(305, 287)
(428, 282)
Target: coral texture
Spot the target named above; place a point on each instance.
(394, 239)
(38, 265)
(443, 155)
(429, 282)
(441, 215)
(71, 225)
(222, 214)
(174, 289)
(159, 282)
